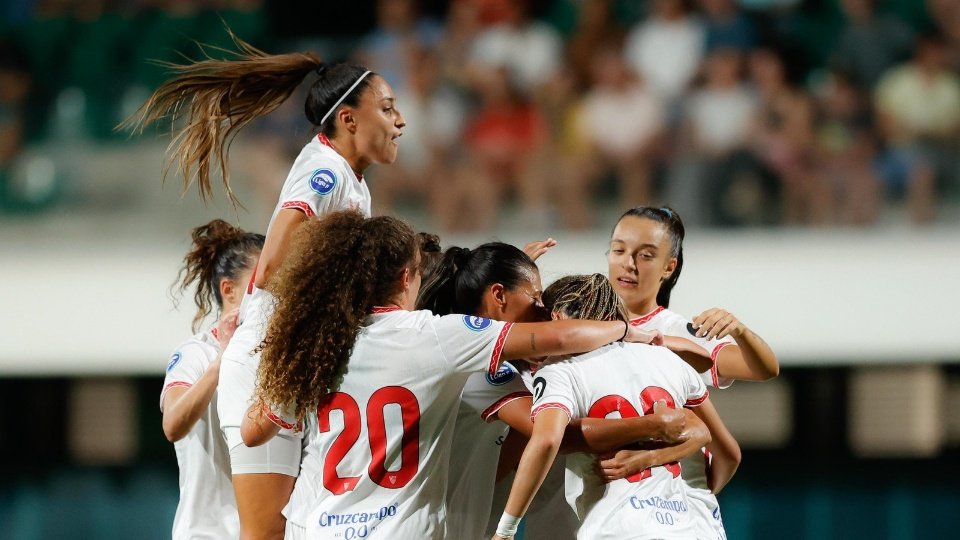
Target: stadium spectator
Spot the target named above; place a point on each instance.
(846, 149)
(871, 42)
(783, 138)
(400, 35)
(918, 104)
(619, 124)
(727, 26)
(666, 48)
(714, 161)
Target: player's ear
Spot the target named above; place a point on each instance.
(346, 115)
(499, 295)
(228, 289)
(669, 268)
(406, 276)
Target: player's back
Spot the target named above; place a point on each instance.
(622, 380)
(375, 465)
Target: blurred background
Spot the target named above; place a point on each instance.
(810, 146)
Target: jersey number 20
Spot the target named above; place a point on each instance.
(614, 403)
(377, 433)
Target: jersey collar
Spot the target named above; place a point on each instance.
(646, 318)
(324, 140)
(384, 309)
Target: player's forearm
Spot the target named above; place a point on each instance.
(555, 338)
(725, 450)
(759, 362)
(600, 435)
(698, 437)
(536, 460)
(257, 428)
(183, 412)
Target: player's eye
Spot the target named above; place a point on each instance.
(616, 251)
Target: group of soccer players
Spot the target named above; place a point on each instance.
(361, 383)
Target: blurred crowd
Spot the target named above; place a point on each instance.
(736, 112)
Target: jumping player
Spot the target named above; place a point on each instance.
(358, 121)
(220, 262)
(378, 384)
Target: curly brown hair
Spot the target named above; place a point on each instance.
(585, 297)
(218, 250)
(338, 268)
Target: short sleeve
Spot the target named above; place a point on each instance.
(487, 394)
(283, 419)
(315, 187)
(185, 367)
(471, 343)
(553, 388)
(686, 330)
(696, 390)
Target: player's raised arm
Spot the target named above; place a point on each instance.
(751, 360)
(554, 338)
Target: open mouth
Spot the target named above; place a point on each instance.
(626, 282)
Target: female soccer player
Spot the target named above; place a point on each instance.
(220, 263)
(645, 260)
(622, 378)
(358, 121)
(378, 384)
(499, 281)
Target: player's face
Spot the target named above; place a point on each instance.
(525, 301)
(638, 261)
(379, 123)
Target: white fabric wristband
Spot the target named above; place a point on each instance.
(507, 527)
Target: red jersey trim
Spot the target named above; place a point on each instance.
(279, 421)
(383, 309)
(253, 277)
(498, 349)
(175, 384)
(646, 318)
(714, 375)
(299, 205)
(697, 401)
(553, 405)
(493, 409)
(324, 140)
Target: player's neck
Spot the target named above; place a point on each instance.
(642, 309)
(349, 152)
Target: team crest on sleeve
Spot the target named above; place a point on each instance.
(505, 374)
(477, 324)
(174, 360)
(323, 181)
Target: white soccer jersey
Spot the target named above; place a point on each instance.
(627, 379)
(207, 507)
(376, 459)
(703, 503)
(476, 450)
(320, 181)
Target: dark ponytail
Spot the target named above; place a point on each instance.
(218, 251)
(338, 268)
(462, 275)
(671, 220)
(217, 98)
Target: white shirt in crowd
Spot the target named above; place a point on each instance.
(207, 507)
(666, 54)
(541, 48)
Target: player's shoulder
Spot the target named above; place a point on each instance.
(201, 347)
(322, 166)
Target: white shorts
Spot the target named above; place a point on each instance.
(234, 395)
(280, 455)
